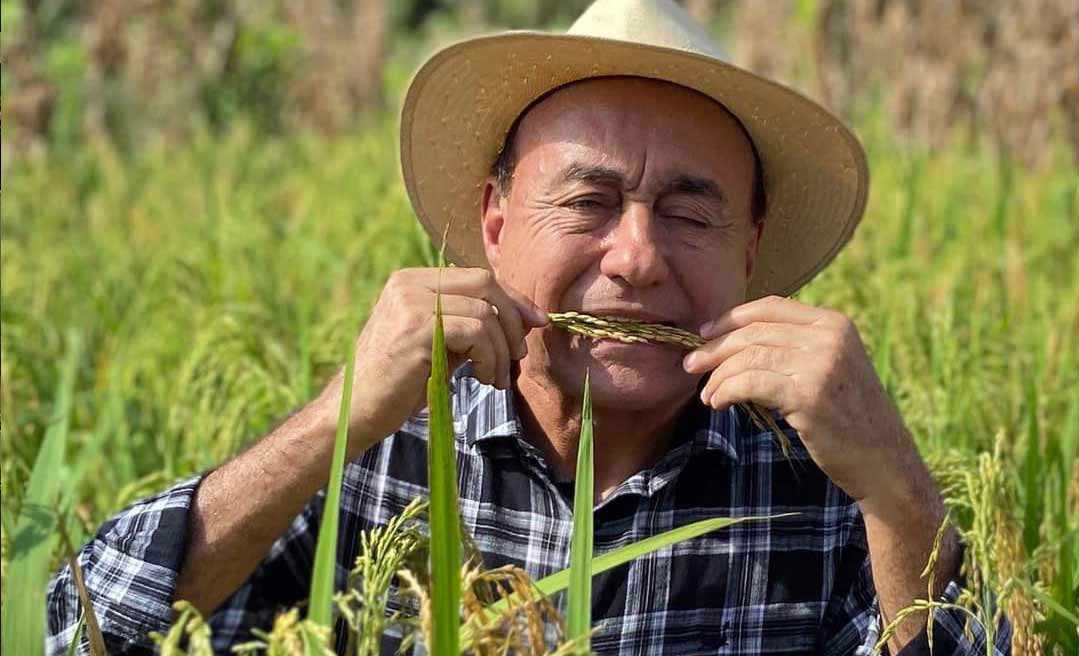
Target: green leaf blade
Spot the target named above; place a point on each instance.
(579, 615)
(444, 513)
(323, 576)
(35, 531)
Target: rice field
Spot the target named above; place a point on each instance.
(189, 297)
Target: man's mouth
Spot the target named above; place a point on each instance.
(625, 319)
(623, 316)
(628, 327)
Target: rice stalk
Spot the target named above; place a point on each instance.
(89, 616)
(73, 646)
(641, 332)
(190, 629)
(290, 636)
(383, 551)
(522, 625)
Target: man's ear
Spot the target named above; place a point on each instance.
(492, 218)
(753, 247)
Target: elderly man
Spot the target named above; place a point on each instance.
(638, 177)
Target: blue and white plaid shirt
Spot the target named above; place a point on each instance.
(796, 585)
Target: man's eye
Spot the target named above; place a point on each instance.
(690, 221)
(585, 204)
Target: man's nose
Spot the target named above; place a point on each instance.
(635, 249)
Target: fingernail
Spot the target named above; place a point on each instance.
(541, 316)
(707, 328)
(691, 361)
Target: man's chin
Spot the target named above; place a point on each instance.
(640, 383)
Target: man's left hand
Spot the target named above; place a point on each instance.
(810, 364)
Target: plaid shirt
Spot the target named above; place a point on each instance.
(795, 585)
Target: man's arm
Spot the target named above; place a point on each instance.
(901, 530)
(241, 508)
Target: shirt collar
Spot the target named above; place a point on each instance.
(484, 412)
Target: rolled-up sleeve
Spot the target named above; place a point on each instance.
(132, 564)
(130, 568)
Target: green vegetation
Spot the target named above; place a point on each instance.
(579, 602)
(444, 506)
(213, 286)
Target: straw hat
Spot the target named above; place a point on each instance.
(463, 100)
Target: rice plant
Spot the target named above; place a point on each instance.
(216, 285)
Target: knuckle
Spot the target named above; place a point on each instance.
(477, 328)
(817, 395)
(758, 355)
(843, 323)
(485, 277)
(399, 277)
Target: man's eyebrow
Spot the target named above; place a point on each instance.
(692, 185)
(595, 174)
(695, 186)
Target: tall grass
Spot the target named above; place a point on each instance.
(320, 601)
(36, 533)
(216, 285)
(445, 511)
(579, 603)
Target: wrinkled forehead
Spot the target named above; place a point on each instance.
(620, 100)
(614, 116)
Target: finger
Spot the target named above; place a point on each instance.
(514, 309)
(480, 283)
(778, 360)
(477, 340)
(477, 308)
(716, 351)
(766, 388)
(772, 309)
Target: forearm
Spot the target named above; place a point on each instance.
(241, 508)
(900, 533)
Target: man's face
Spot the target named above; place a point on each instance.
(630, 198)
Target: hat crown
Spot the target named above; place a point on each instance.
(662, 23)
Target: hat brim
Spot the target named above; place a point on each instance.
(464, 99)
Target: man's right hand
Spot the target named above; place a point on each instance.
(484, 321)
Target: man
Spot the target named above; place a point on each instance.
(639, 177)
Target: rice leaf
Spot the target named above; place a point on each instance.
(559, 581)
(579, 616)
(322, 579)
(73, 646)
(35, 535)
(443, 511)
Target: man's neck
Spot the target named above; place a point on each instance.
(624, 442)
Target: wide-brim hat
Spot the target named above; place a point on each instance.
(464, 99)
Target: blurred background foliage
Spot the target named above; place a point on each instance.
(143, 71)
(207, 194)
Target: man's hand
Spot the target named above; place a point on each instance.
(484, 321)
(810, 364)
